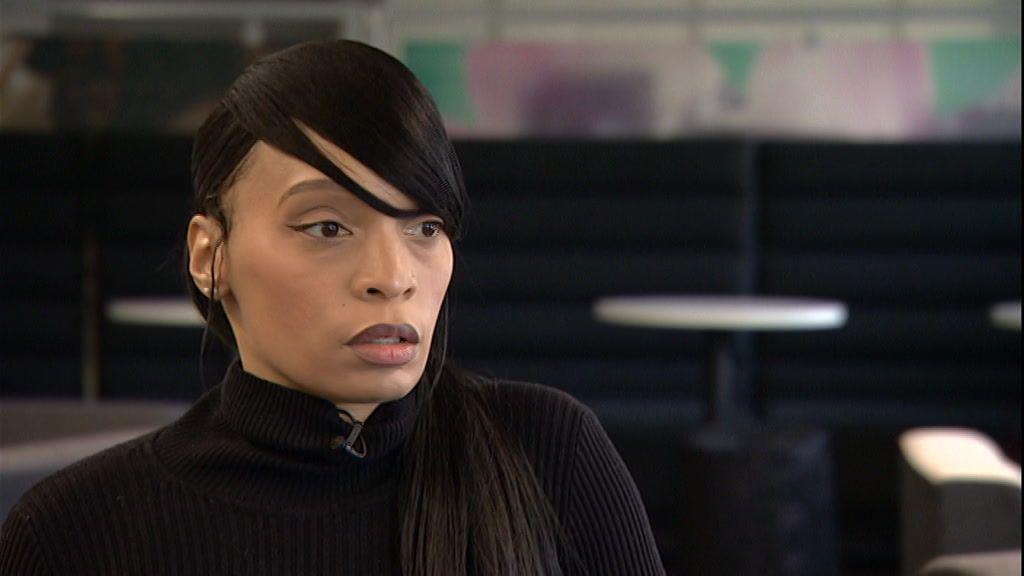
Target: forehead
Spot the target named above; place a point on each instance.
(274, 172)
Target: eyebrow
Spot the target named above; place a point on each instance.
(315, 184)
(328, 184)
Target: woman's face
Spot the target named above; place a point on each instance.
(308, 266)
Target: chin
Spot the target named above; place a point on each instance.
(383, 391)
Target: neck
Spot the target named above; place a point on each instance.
(359, 410)
(254, 441)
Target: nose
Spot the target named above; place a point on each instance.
(385, 271)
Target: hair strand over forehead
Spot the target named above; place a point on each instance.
(365, 102)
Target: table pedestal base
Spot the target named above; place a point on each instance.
(730, 397)
(757, 500)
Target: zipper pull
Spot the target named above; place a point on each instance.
(350, 442)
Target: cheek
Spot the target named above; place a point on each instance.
(435, 287)
(434, 284)
(279, 290)
(437, 276)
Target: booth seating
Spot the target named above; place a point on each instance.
(960, 509)
(918, 240)
(144, 194)
(1001, 563)
(558, 224)
(39, 437)
(43, 260)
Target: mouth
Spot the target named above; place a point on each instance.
(386, 344)
(386, 354)
(387, 334)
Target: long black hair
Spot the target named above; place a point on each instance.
(474, 505)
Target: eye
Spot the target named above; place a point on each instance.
(328, 229)
(431, 228)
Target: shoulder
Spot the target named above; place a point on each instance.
(72, 503)
(522, 393)
(531, 408)
(581, 471)
(75, 486)
(555, 429)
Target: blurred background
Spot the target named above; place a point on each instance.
(861, 155)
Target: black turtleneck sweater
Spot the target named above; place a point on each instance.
(251, 481)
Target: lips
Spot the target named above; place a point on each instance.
(406, 332)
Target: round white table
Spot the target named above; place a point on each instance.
(721, 316)
(157, 311)
(1005, 315)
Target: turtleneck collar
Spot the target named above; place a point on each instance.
(289, 421)
(255, 440)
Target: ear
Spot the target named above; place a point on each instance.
(204, 242)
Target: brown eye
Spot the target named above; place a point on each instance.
(432, 228)
(328, 229)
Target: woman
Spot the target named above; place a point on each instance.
(340, 440)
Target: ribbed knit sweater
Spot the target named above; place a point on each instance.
(251, 481)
